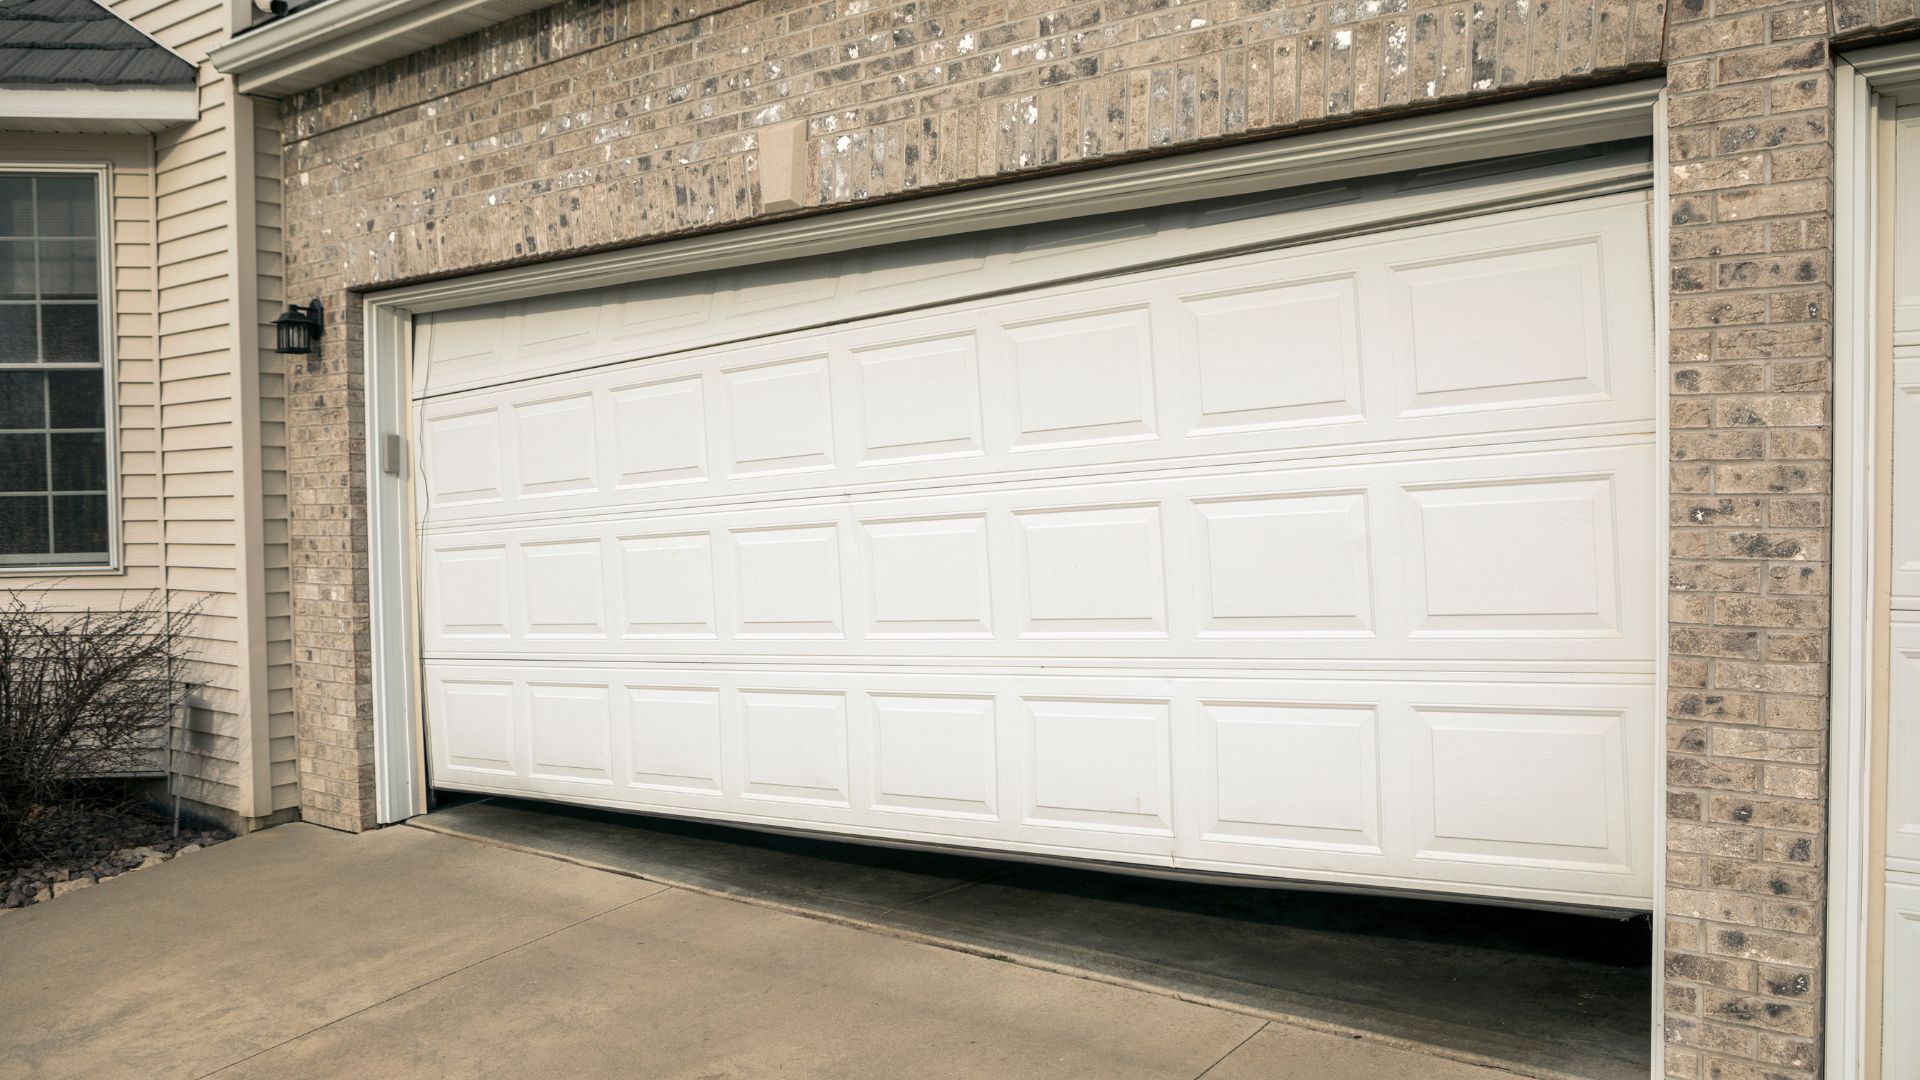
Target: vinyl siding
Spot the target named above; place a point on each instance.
(136, 393)
(197, 264)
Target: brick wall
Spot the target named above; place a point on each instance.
(1750, 115)
(596, 124)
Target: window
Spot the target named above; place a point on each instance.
(54, 479)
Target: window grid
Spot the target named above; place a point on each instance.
(84, 511)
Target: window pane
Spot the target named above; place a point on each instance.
(23, 398)
(68, 270)
(74, 398)
(19, 339)
(23, 463)
(72, 333)
(16, 270)
(79, 461)
(16, 206)
(79, 524)
(23, 525)
(66, 206)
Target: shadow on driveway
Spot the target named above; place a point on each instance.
(1537, 992)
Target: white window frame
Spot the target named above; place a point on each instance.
(102, 172)
(1600, 114)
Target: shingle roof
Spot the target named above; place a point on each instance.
(80, 43)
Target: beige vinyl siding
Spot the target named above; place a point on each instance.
(201, 414)
(276, 562)
(198, 428)
(206, 429)
(130, 246)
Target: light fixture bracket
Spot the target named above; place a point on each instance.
(297, 331)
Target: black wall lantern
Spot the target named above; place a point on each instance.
(298, 329)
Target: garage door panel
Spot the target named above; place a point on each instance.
(1513, 323)
(1282, 353)
(1507, 556)
(1334, 562)
(469, 348)
(1395, 781)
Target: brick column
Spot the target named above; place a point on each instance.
(327, 547)
(1750, 113)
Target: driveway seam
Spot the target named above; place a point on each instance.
(437, 978)
(1236, 1049)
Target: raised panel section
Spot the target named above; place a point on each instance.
(788, 580)
(667, 585)
(928, 577)
(1544, 787)
(476, 721)
(572, 733)
(467, 590)
(919, 399)
(554, 323)
(1095, 571)
(1505, 328)
(458, 346)
(796, 745)
(1316, 561)
(1273, 355)
(674, 736)
(781, 286)
(1285, 565)
(1514, 559)
(781, 417)
(651, 307)
(565, 589)
(1294, 774)
(1099, 764)
(556, 450)
(660, 433)
(1901, 1052)
(1083, 378)
(1903, 745)
(934, 754)
(462, 458)
(1905, 536)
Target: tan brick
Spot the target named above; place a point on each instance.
(660, 105)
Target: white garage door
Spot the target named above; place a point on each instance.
(1329, 562)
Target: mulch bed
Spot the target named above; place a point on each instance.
(75, 847)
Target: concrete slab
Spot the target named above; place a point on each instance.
(1534, 992)
(1538, 993)
(1279, 1052)
(200, 962)
(859, 882)
(684, 985)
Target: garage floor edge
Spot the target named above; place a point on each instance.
(1568, 1011)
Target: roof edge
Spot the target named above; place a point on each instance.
(332, 38)
(80, 104)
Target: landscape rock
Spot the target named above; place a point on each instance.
(72, 847)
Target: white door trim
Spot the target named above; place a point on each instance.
(1865, 82)
(1552, 122)
(1662, 481)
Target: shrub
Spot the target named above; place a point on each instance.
(83, 695)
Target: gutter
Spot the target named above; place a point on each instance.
(325, 41)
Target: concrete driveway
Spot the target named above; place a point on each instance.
(404, 953)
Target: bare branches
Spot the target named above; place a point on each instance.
(82, 695)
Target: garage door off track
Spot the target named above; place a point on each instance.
(1332, 561)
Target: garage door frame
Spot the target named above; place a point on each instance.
(1869, 85)
(1584, 117)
